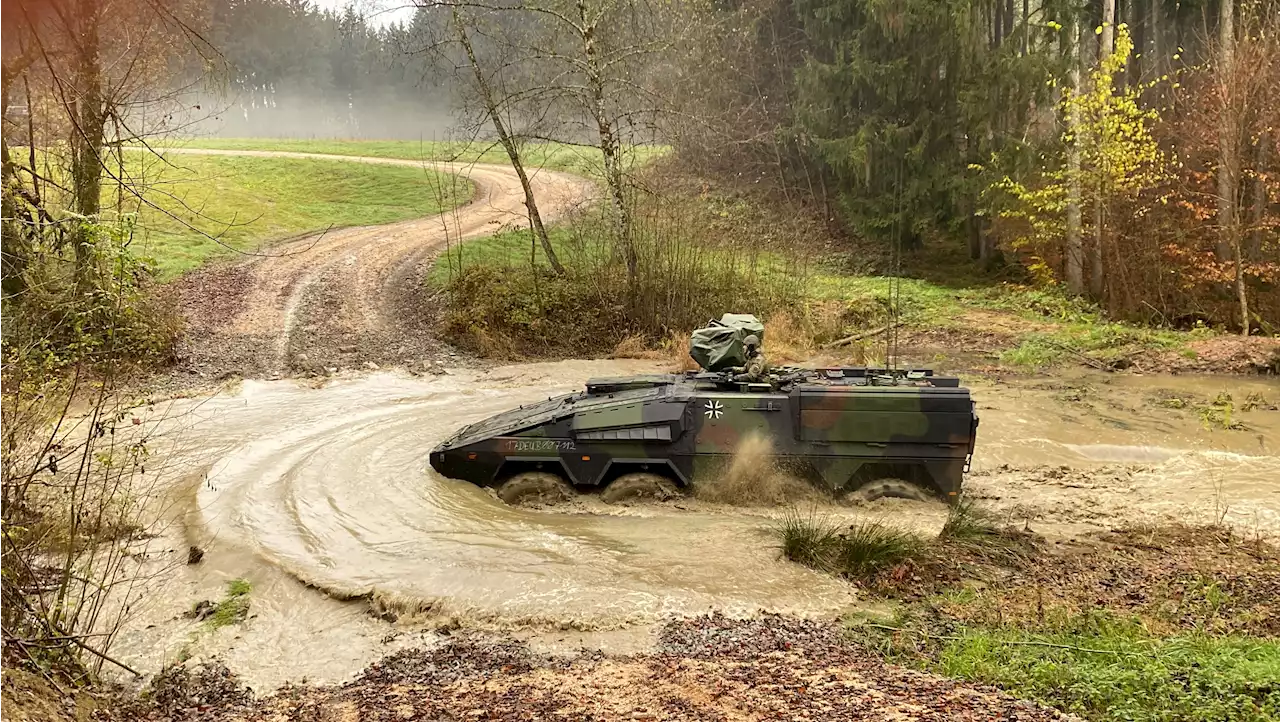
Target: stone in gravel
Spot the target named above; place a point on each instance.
(371, 365)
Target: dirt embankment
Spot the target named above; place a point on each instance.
(347, 298)
(705, 668)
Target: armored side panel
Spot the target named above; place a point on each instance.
(842, 427)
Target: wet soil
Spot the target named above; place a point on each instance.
(1174, 578)
(704, 668)
(319, 494)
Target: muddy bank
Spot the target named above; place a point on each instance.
(706, 668)
(319, 495)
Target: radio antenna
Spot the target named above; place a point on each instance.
(895, 275)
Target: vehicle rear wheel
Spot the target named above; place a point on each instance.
(889, 489)
(639, 485)
(533, 488)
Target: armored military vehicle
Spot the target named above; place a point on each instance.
(860, 433)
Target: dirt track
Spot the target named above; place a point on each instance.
(347, 297)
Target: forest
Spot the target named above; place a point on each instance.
(1122, 151)
(1119, 152)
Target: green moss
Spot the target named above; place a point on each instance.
(1106, 343)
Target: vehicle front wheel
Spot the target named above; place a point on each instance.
(535, 488)
(889, 489)
(639, 485)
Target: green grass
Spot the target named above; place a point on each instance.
(246, 202)
(1063, 327)
(1102, 667)
(1104, 342)
(504, 249)
(552, 156)
(234, 608)
(857, 551)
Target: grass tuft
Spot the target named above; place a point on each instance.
(807, 540)
(857, 551)
(234, 608)
(977, 533)
(868, 547)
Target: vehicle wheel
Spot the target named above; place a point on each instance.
(890, 489)
(535, 488)
(639, 486)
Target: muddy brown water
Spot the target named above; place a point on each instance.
(322, 498)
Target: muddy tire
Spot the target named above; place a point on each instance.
(629, 487)
(889, 489)
(535, 488)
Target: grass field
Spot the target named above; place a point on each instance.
(244, 203)
(552, 156)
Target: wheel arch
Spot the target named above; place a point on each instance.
(514, 465)
(942, 479)
(618, 467)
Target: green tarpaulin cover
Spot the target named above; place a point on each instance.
(718, 347)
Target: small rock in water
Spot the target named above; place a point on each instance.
(331, 370)
(194, 554)
(201, 610)
(371, 365)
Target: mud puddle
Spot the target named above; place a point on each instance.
(329, 488)
(1092, 450)
(323, 500)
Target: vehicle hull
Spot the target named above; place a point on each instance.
(827, 427)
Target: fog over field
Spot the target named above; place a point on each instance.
(321, 70)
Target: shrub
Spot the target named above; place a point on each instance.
(99, 308)
(502, 299)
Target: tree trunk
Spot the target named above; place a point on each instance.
(1008, 20)
(88, 116)
(1026, 27)
(1258, 204)
(609, 146)
(1138, 57)
(1107, 43)
(508, 144)
(1106, 46)
(1155, 55)
(1241, 290)
(1228, 135)
(1229, 241)
(1075, 245)
(998, 25)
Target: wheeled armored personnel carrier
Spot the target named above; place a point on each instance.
(860, 433)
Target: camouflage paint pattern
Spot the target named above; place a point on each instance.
(835, 426)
